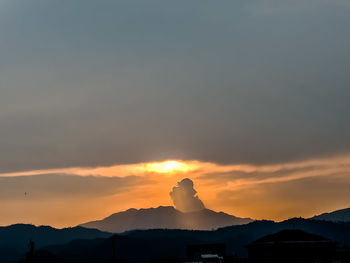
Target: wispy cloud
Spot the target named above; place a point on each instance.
(274, 191)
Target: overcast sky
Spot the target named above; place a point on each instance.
(89, 83)
(101, 82)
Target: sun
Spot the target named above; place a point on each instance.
(170, 166)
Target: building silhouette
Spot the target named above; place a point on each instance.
(292, 246)
(206, 253)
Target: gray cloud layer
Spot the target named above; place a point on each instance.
(185, 198)
(94, 83)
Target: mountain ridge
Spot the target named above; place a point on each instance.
(341, 215)
(14, 238)
(161, 243)
(165, 217)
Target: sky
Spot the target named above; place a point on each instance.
(250, 97)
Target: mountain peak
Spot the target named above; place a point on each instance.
(165, 217)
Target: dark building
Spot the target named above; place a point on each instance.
(292, 246)
(206, 253)
(342, 255)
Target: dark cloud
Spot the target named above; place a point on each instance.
(62, 186)
(185, 198)
(86, 83)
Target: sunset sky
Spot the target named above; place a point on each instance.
(106, 105)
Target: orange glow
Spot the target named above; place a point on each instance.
(170, 166)
(276, 191)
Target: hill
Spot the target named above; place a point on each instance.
(147, 245)
(342, 215)
(166, 217)
(14, 239)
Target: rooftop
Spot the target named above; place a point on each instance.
(290, 235)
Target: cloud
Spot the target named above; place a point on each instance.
(275, 191)
(94, 90)
(259, 174)
(184, 196)
(63, 186)
(281, 200)
(279, 191)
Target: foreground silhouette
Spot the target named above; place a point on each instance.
(159, 245)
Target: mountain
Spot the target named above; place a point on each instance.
(170, 245)
(342, 215)
(14, 239)
(165, 217)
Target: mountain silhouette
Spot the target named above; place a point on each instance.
(165, 217)
(14, 239)
(342, 215)
(153, 245)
